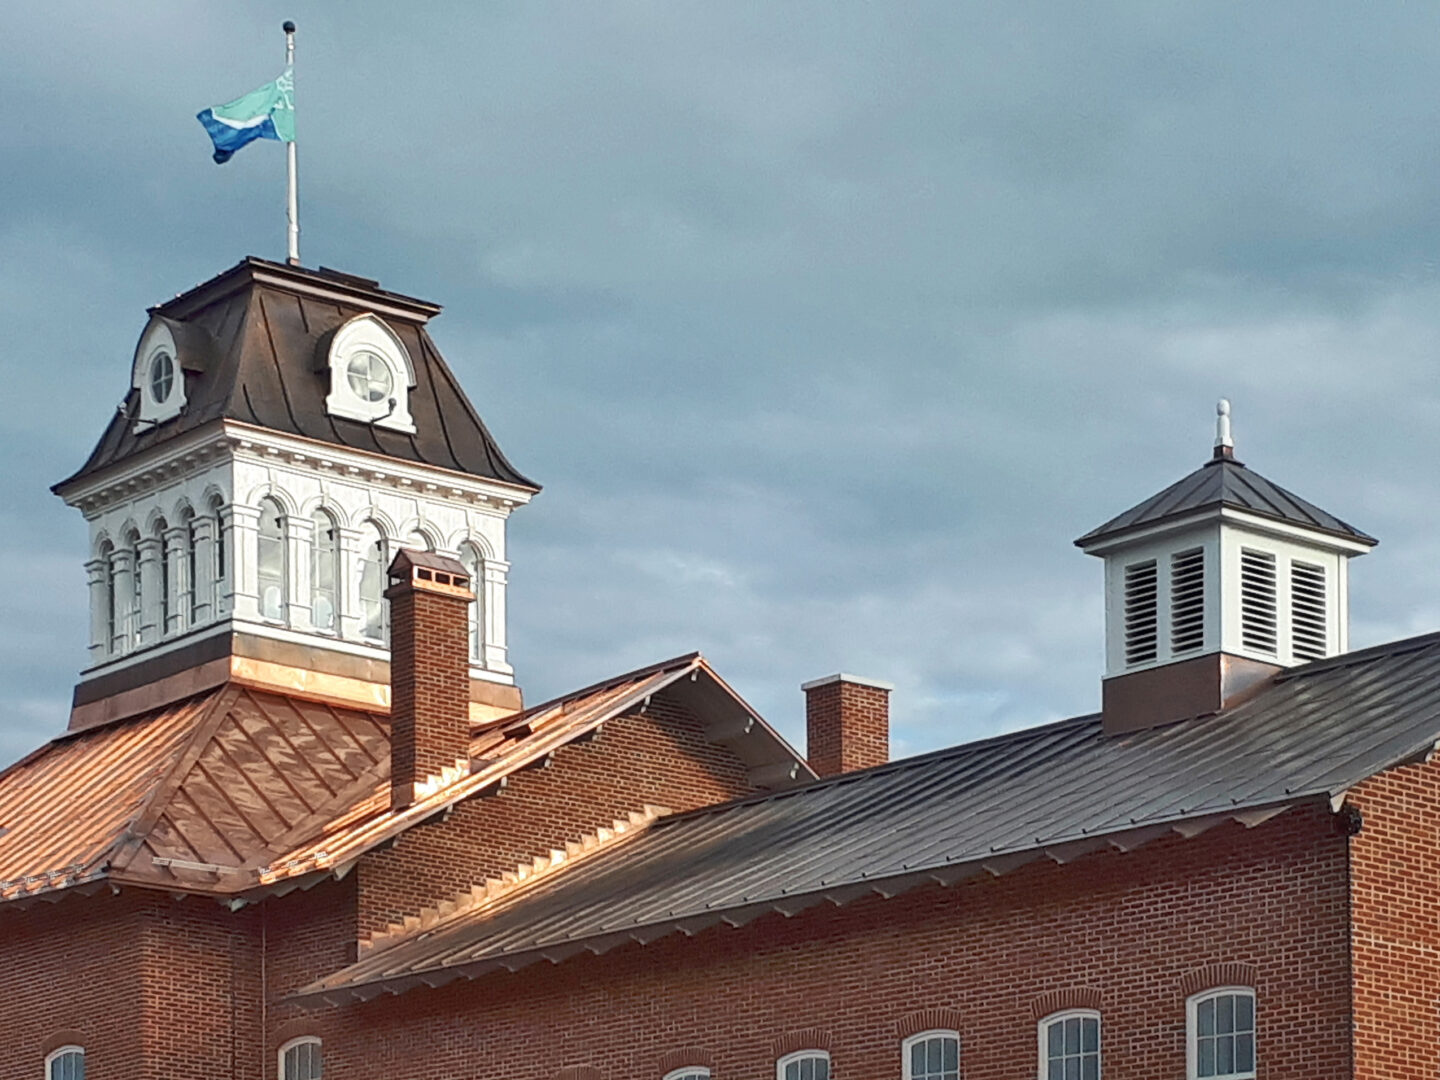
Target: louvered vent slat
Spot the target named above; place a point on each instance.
(1258, 607)
(1187, 600)
(1308, 624)
(1142, 616)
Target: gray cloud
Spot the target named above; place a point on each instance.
(826, 326)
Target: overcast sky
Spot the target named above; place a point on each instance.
(827, 327)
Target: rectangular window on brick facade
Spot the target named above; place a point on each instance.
(1220, 1039)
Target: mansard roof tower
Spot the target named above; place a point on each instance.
(284, 433)
(1214, 585)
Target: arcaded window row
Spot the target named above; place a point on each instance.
(180, 575)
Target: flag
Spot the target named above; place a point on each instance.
(266, 113)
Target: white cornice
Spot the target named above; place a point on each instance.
(194, 450)
(1228, 515)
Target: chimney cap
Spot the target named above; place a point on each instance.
(431, 572)
(858, 680)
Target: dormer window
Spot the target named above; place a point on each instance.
(370, 375)
(157, 377)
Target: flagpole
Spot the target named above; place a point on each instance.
(292, 201)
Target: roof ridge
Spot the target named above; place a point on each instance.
(606, 684)
(914, 761)
(1413, 643)
(493, 890)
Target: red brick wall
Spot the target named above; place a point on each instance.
(430, 685)
(659, 756)
(69, 972)
(1395, 883)
(847, 727)
(1127, 930)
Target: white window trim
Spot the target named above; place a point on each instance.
(921, 1037)
(287, 1047)
(59, 1052)
(1191, 1035)
(369, 333)
(1043, 1027)
(798, 1056)
(156, 339)
(688, 1070)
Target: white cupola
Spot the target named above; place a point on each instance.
(1225, 572)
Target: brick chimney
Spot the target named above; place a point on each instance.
(847, 723)
(430, 601)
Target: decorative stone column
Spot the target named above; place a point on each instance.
(347, 587)
(222, 567)
(243, 547)
(126, 617)
(202, 540)
(97, 574)
(493, 614)
(148, 555)
(299, 544)
(177, 549)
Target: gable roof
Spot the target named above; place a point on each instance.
(241, 791)
(250, 340)
(1060, 790)
(1225, 482)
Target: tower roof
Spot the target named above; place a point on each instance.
(1223, 481)
(252, 341)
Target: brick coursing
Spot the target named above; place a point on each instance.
(847, 727)
(1395, 924)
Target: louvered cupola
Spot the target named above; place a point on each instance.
(1212, 586)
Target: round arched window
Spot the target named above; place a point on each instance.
(369, 377)
(162, 377)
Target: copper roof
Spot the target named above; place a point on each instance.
(249, 341)
(239, 791)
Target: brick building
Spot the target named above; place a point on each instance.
(302, 822)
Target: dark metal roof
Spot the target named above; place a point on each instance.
(249, 339)
(1060, 790)
(1225, 482)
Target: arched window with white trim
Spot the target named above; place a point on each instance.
(165, 591)
(1220, 1028)
(325, 573)
(932, 1055)
(803, 1065)
(132, 597)
(474, 564)
(66, 1063)
(1070, 1045)
(220, 568)
(185, 599)
(301, 1059)
(270, 563)
(107, 599)
(689, 1072)
(372, 567)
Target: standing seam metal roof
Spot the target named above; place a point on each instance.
(1312, 733)
(1225, 482)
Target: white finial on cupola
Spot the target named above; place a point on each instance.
(1224, 444)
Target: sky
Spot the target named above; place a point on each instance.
(826, 326)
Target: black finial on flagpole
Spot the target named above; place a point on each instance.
(288, 26)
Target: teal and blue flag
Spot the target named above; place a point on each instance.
(266, 113)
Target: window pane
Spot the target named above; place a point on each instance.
(1206, 1057)
(1205, 1017)
(952, 1054)
(917, 1060)
(792, 1071)
(1090, 1041)
(1245, 1053)
(1072, 1068)
(1072, 1035)
(822, 1069)
(1090, 1067)
(1224, 1055)
(1244, 1012)
(1055, 1039)
(1057, 1069)
(1225, 1014)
